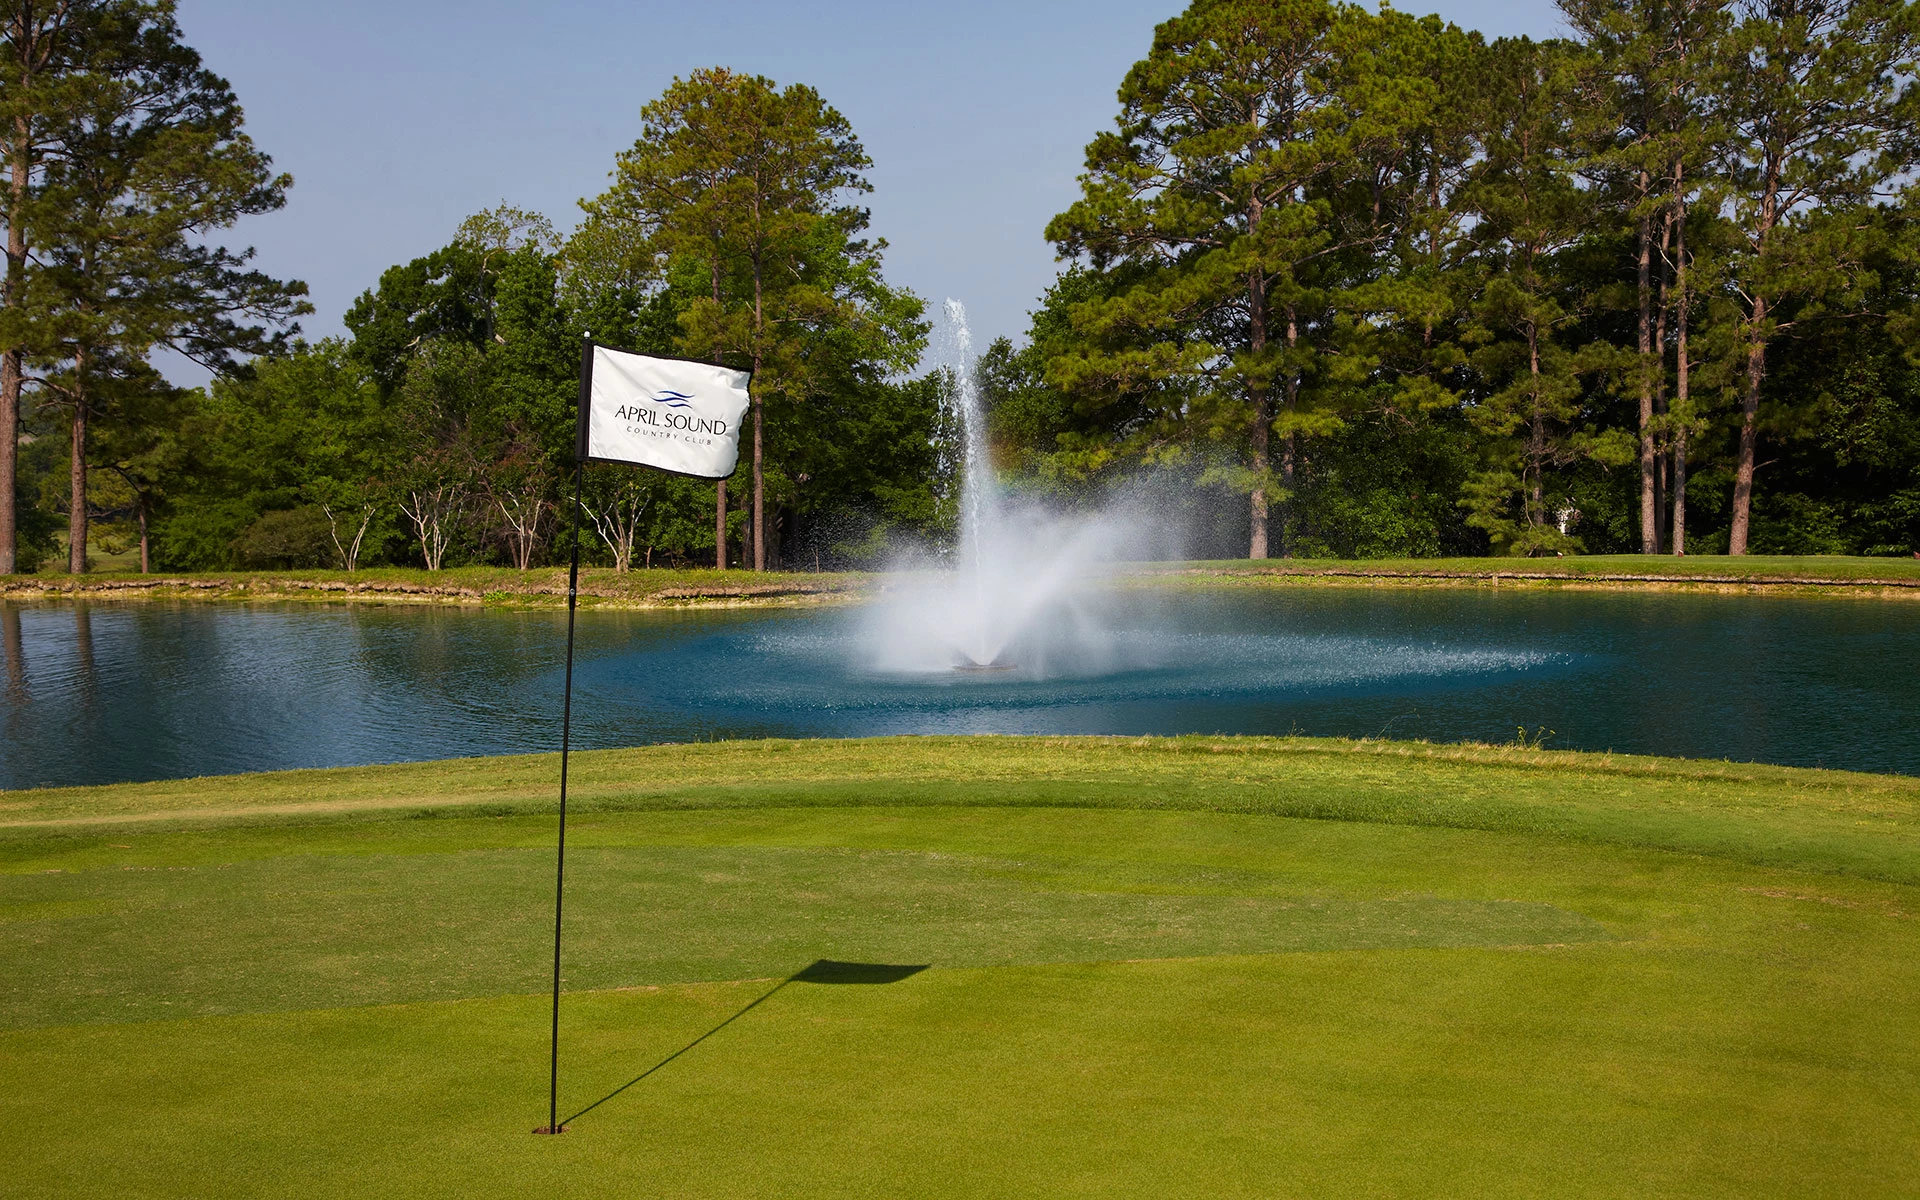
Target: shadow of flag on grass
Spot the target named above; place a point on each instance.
(828, 971)
(824, 970)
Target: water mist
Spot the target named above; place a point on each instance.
(1023, 590)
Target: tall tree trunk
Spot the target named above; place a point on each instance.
(33, 34)
(1262, 414)
(1683, 364)
(1749, 430)
(719, 485)
(1433, 234)
(759, 497)
(1662, 290)
(9, 457)
(1743, 469)
(1680, 491)
(1257, 503)
(1679, 471)
(1289, 456)
(1649, 499)
(77, 469)
(759, 519)
(1289, 443)
(77, 484)
(140, 511)
(19, 167)
(1536, 437)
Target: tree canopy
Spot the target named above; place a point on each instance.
(1318, 235)
(1346, 281)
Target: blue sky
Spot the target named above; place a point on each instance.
(397, 119)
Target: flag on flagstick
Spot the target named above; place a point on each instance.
(666, 413)
(669, 414)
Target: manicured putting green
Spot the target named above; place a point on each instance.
(327, 931)
(1502, 989)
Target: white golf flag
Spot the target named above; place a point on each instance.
(667, 413)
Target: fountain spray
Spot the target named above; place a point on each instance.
(1021, 591)
(979, 492)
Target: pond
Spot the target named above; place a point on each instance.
(96, 693)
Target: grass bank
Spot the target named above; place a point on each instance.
(1753, 574)
(539, 587)
(681, 588)
(1093, 967)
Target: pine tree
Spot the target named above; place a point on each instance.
(1530, 214)
(1820, 113)
(1649, 124)
(152, 161)
(1224, 211)
(44, 49)
(155, 160)
(746, 183)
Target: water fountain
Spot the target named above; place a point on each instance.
(1020, 592)
(980, 508)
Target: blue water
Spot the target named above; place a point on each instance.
(104, 692)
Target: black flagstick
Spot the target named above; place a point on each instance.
(566, 733)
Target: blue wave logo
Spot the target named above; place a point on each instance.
(672, 399)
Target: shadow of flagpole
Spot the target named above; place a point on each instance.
(823, 971)
(677, 1053)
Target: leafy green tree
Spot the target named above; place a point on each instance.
(613, 286)
(858, 470)
(1384, 482)
(142, 456)
(475, 348)
(449, 293)
(124, 156)
(438, 296)
(1058, 442)
(1025, 416)
(443, 388)
(307, 431)
(1386, 485)
(1845, 436)
(744, 183)
(533, 364)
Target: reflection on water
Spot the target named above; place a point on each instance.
(16, 664)
(102, 692)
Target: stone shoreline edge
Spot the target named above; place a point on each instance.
(402, 592)
(544, 591)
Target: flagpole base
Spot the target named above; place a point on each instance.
(549, 1129)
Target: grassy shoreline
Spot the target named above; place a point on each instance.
(541, 587)
(600, 587)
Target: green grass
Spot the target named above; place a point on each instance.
(460, 585)
(1187, 967)
(663, 587)
(1610, 568)
(1810, 566)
